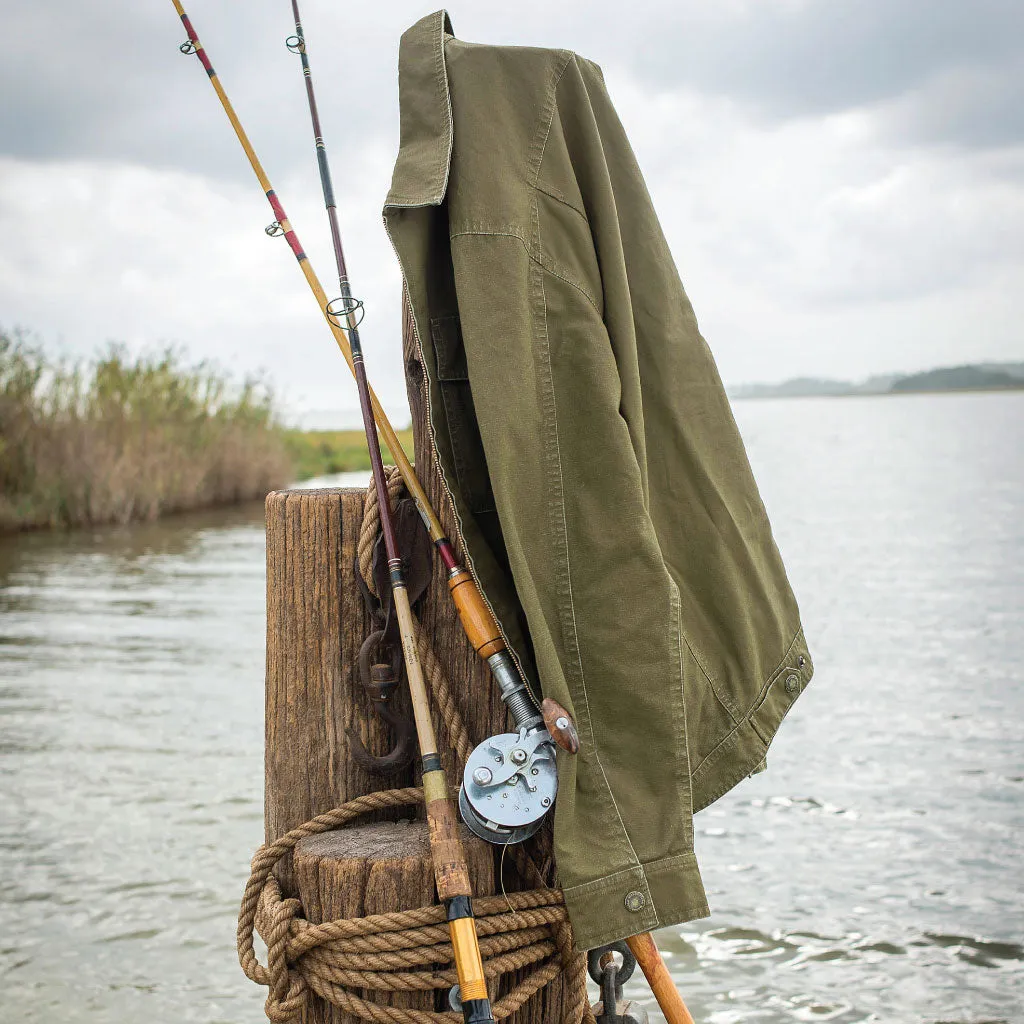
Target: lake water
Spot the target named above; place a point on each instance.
(874, 873)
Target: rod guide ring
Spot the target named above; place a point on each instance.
(339, 311)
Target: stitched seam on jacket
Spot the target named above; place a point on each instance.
(736, 777)
(721, 694)
(565, 551)
(723, 698)
(544, 262)
(556, 194)
(442, 81)
(547, 115)
(682, 765)
(616, 878)
(757, 702)
(555, 270)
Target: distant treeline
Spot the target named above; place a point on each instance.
(972, 377)
(127, 437)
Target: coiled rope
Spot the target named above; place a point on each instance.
(407, 950)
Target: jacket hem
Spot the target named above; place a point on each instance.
(742, 751)
(667, 891)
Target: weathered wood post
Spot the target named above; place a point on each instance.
(376, 869)
(316, 622)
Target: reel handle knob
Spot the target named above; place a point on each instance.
(560, 725)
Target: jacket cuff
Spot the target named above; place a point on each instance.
(640, 899)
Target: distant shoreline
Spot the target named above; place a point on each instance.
(973, 377)
(881, 394)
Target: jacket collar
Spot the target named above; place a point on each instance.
(421, 171)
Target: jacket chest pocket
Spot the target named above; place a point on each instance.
(467, 449)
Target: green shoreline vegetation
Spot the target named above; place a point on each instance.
(122, 438)
(323, 452)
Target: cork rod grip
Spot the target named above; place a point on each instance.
(450, 871)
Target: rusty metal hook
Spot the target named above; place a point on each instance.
(380, 680)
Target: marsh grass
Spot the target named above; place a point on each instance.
(128, 437)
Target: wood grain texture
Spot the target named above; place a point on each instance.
(560, 724)
(376, 869)
(644, 948)
(316, 622)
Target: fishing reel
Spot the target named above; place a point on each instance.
(509, 786)
(510, 781)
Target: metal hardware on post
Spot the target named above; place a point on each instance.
(611, 976)
(380, 680)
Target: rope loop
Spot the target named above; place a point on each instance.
(404, 951)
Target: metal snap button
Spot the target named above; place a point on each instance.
(792, 683)
(635, 901)
(801, 661)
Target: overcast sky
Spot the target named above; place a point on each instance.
(841, 181)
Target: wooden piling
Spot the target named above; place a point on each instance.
(316, 622)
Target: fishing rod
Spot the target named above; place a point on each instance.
(451, 872)
(526, 779)
(477, 619)
(527, 768)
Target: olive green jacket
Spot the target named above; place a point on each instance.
(603, 494)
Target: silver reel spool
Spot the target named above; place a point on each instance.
(509, 785)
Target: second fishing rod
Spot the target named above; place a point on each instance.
(519, 766)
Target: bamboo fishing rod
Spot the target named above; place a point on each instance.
(451, 872)
(477, 619)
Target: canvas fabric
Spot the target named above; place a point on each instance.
(602, 491)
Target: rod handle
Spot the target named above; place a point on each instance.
(477, 620)
(476, 1004)
(450, 871)
(644, 948)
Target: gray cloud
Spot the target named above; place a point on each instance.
(973, 108)
(110, 84)
(787, 60)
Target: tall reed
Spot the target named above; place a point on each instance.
(128, 437)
